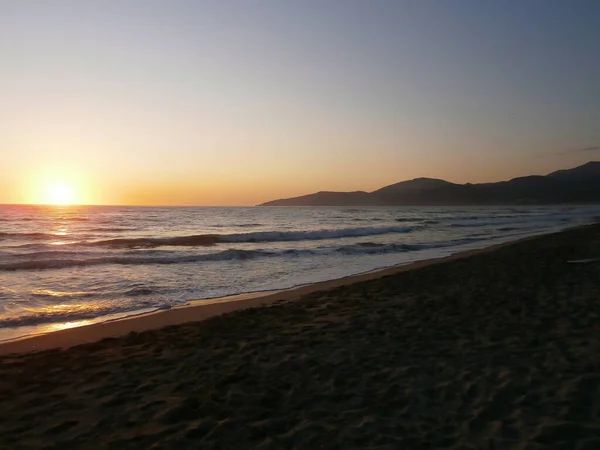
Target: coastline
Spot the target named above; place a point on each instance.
(199, 310)
(495, 348)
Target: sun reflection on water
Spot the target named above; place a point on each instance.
(51, 293)
(63, 326)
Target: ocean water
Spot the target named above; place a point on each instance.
(62, 267)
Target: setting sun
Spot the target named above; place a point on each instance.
(60, 194)
(61, 187)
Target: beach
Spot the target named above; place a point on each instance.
(496, 348)
(74, 266)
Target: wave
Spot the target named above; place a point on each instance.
(139, 291)
(132, 243)
(59, 263)
(189, 241)
(460, 221)
(45, 293)
(487, 223)
(75, 219)
(370, 248)
(259, 236)
(238, 225)
(17, 219)
(34, 236)
(360, 248)
(378, 248)
(282, 236)
(497, 222)
(228, 255)
(45, 254)
(486, 216)
(248, 225)
(468, 225)
(74, 313)
(112, 230)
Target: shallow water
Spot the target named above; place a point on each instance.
(69, 266)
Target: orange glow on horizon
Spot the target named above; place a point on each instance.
(60, 194)
(56, 190)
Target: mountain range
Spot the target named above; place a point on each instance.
(578, 185)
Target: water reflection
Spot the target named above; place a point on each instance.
(63, 326)
(60, 230)
(51, 293)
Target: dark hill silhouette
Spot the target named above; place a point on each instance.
(414, 186)
(326, 198)
(578, 185)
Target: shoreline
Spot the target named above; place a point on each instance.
(494, 348)
(44, 329)
(202, 309)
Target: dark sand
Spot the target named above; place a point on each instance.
(497, 350)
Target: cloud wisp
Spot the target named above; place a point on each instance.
(593, 148)
(572, 151)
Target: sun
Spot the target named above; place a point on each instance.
(57, 188)
(60, 194)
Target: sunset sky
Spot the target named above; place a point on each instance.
(239, 102)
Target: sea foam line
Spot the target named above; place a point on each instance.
(362, 248)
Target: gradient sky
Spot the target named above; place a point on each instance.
(239, 102)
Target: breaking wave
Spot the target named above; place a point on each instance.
(279, 236)
(370, 248)
(59, 263)
(73, 313)
(260, 236)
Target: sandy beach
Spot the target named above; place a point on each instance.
(492, 349)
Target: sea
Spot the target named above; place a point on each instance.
(68, 266)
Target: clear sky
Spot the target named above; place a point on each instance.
(239, 102)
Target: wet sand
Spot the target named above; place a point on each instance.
(493, 349)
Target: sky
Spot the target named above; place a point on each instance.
(200, 102)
